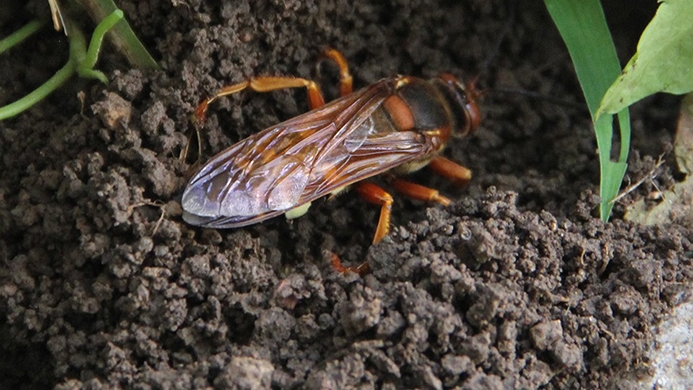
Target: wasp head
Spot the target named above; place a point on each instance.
(462, 99)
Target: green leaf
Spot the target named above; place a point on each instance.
(663, 61)
(584, 30)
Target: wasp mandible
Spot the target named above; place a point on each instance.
(397, 125)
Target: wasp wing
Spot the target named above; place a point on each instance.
(298, 161)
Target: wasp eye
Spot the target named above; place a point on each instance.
(473, 116)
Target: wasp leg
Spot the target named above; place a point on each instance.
(419, 192)
(451, 170)
(266, 84)
(362, 269)
(345, 79)
(376, 195)
(183, 156)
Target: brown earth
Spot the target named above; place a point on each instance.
(516, 285)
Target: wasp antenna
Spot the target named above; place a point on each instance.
(506, 30)
(539, 96)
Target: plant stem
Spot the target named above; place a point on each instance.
(81, 61)
(85, 67)
(121, 35)
(23, 104)
(20, 35)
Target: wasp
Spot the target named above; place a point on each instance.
(395, 126)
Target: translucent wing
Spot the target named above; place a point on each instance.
(298, 161)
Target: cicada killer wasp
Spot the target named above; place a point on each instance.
(397, 125)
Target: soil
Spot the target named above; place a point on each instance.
(517, 284)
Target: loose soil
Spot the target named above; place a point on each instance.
(517, 284)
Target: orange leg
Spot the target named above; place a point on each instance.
(337, 265)
(376, 195)
(273, 83)
(266, 84)
(345, 79)
(419, 192)
(451, 170)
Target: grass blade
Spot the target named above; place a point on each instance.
(583, 27)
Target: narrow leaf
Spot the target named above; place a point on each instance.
(584, 30)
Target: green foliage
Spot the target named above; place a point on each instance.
(82, 58)
(584, 30)
(663, 61)
(81, 61)
(20, 35)
(121, 34)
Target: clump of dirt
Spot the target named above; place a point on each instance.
(515, 285)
